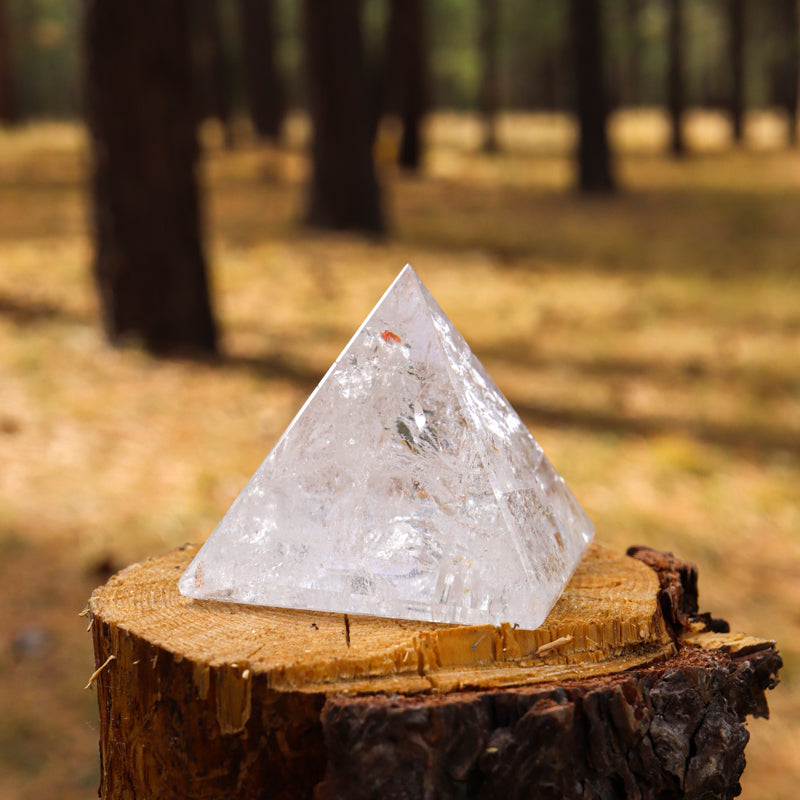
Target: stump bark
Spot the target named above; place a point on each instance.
(624, 692)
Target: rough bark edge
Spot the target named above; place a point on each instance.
(669, 730)
(678, 596)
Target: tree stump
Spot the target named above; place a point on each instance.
(624, 692)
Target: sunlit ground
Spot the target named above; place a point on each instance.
(651, 342)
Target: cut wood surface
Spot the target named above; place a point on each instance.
(608, 618)
(625, 691)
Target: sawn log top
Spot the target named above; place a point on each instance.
(607, 620)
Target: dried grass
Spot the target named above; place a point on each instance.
(651, 341)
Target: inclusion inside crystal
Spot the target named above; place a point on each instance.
(406, 486)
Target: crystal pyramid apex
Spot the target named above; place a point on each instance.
(406, 486)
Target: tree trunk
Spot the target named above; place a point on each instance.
(264, 89)
(8, 101)
(789, 63)
(675, 79)
(594, 159)
(407, 31)
(148, 261)
(633, 10)
(344, 190)
(736, 33)
(212, 84)
(490, 84)
(625, 691)
(400, 85)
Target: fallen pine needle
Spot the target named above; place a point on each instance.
(554, 645)
(99, 670)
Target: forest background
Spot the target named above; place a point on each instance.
(649, 336)
(533, 51)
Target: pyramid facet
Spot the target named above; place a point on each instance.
(406, 486)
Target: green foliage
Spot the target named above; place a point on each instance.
(534, 51)
(535, 65)
(452, 37)
(45, 51)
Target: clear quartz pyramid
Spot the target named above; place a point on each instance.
(406, 486)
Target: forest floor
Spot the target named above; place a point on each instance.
(651, 341)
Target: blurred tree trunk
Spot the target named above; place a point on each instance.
(148, 262)
(9, 113)
(594, 158)
(675, 91)
(265, 92)
(344, 190)
(400, 84)
(788, 88)
(633, 10)
(212, 83)
(736, 100)
(490, 83)
(407, 34)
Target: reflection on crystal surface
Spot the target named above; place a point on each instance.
(406, 486)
